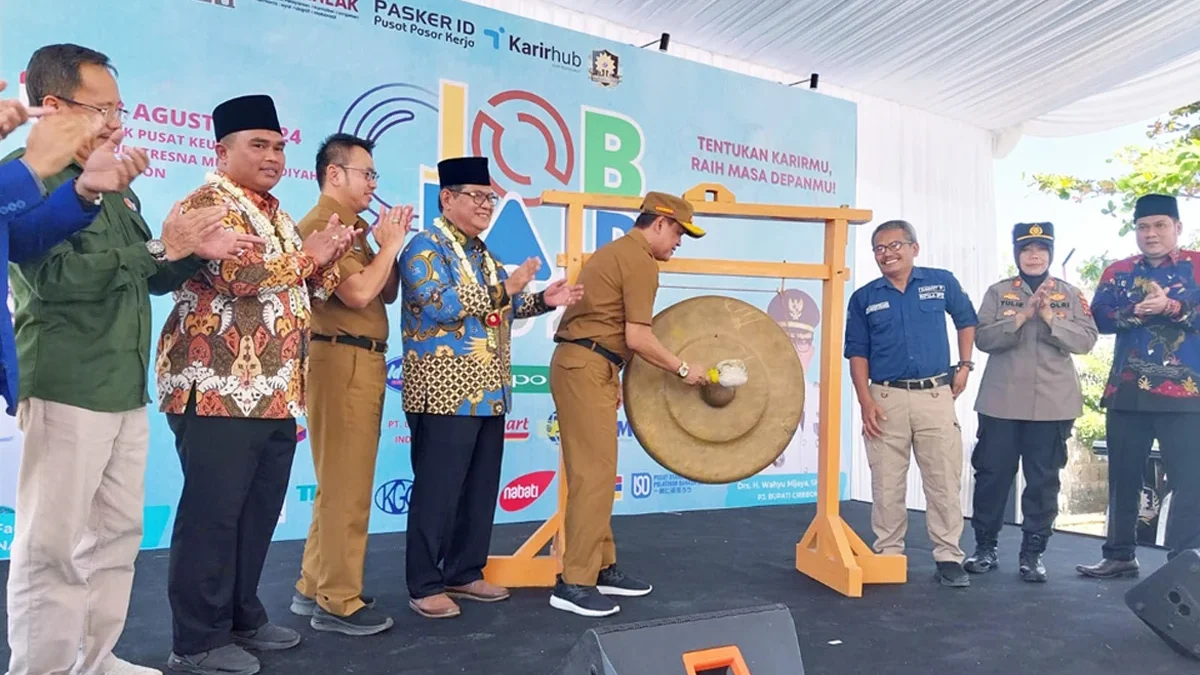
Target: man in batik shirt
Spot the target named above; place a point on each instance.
(1151, 302)
(231, 365)
(458, 309)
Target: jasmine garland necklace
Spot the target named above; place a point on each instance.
(280, 231)
(492, 322)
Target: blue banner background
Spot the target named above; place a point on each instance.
(438, 78)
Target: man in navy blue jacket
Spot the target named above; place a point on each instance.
(32, 220)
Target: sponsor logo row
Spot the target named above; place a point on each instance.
(603, 65)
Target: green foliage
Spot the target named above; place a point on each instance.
(1093, 374)
(1169, 164)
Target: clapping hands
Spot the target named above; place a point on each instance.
(1038, 305)
(520, 278)
(201, 232)
(330, 243)
(1155, 302)
(110, 168)
(559, 294)
(391, 228)
(13, 113)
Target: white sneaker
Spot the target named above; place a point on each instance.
(118, 666)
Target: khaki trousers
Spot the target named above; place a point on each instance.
(78, 530)
(346, 387)
(924, 423)
(584, 385)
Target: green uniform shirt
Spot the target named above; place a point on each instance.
(82, 310)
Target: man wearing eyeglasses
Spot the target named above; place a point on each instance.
(900, 365)
(458, 307)
(346, 385)
(82, 317)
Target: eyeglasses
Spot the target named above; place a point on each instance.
(108, 113)
(370, 174)
(893, 247)
(481, 197)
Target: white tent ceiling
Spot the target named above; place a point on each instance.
(1047, 67)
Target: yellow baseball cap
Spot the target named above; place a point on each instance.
(663, 204)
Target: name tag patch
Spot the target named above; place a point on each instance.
(934, 292)
(878, 306)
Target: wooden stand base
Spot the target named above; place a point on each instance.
(836, 556)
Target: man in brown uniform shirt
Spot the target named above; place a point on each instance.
(347, 377)
(597, 338)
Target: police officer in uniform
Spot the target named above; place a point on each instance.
(1029, 397)
(596, 339)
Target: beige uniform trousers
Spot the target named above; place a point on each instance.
(347, 385)
(922, 423)
(584, 387)
(78, 530)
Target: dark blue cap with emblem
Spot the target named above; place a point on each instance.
(1025, 234)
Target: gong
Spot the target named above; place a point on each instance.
(712, 433)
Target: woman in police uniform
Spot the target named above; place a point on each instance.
(1029, 398)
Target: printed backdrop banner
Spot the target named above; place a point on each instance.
(553, 109)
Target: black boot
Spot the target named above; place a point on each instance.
(1031, 568)
(984, 559)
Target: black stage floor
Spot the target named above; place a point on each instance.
(713, 560)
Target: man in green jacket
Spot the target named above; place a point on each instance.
(83, 330)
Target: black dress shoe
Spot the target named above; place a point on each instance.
(984, 559)
(952, 574)
(1109, 569)
(1031, 567)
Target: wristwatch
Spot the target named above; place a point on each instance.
(969, 365)
(683, 370)
(157, 250)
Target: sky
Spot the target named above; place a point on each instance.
(1078, 226)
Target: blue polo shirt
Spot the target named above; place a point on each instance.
(903, 335)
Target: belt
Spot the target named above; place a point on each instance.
(925, 383)
(588, 344)
(362, 343)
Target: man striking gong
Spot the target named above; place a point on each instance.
(597, 337)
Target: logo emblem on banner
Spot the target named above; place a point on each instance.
(395, 374)
(525, 490)
(392, 497)
(641, 485)
(531, 379)
(606, 68)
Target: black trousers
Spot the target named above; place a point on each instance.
(1129, 437)
(456, 480)
(235, 479)
(1041, 450)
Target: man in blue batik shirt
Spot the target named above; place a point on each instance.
(900, 365)
(458, 305)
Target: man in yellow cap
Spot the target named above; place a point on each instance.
(597, 337)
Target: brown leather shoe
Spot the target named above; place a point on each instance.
(479, 591)
(438, 606)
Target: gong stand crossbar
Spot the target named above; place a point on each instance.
(829, 551)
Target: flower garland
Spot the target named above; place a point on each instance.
(468, 273)
(279, 231)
